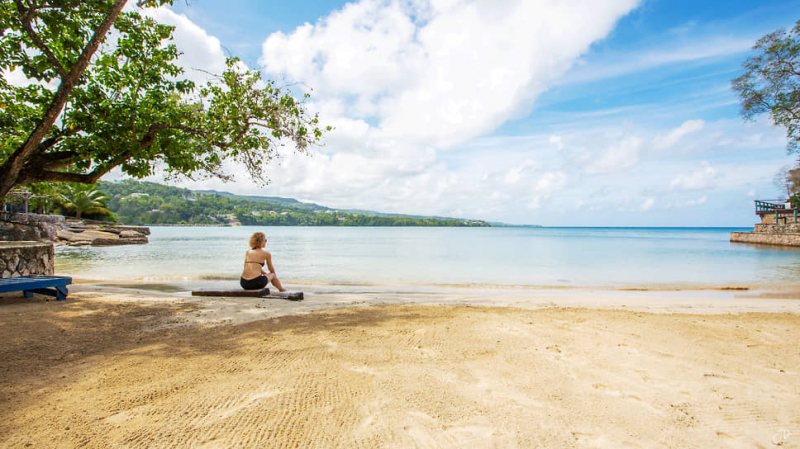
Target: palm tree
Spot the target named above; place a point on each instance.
(83, 198)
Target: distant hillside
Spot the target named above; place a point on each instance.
(289, 202)
(135, 202)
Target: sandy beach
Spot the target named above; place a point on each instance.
(139, 369)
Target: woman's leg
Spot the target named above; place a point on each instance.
(274, 279)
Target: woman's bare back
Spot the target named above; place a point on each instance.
(257, 262)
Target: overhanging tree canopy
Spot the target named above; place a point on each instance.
(124, 104)
(771, 82)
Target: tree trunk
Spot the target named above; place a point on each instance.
(9, 172)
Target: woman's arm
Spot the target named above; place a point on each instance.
(269, 263)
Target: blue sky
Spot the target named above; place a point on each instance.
(568, 113)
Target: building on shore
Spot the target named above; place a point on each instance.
(780, 225)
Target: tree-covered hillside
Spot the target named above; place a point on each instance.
(135, 202)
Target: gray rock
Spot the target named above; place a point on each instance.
(11, 262)
(106, 242)
(66, 235)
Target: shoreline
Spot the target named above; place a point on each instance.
(179, 283)
(136, 368)
(227, 310)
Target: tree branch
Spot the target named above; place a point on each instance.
(25, 19)
(53, 161)
(16, 161)
(57, 176)
(52, 141)
(197, 132)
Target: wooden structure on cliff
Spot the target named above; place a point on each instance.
(780, 225)
(776, 211)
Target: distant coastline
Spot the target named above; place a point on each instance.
(152, 204)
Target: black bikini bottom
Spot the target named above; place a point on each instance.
(255, 283)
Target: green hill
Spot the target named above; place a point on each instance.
(148, 203)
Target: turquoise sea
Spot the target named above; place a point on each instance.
(186, 258)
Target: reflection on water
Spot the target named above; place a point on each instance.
(182, 257)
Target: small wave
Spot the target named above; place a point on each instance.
(162, 288)
(198, 277)
(314, 282)
(214, 277)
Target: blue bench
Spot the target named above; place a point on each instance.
(45, 285)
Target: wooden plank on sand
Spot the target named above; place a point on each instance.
(291, 296)
(263, 293)
(233, 293)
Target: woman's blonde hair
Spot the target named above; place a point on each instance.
(257, 239)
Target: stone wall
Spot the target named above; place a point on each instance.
(769, 218)
(23, 217)
(769, 233)
(24, 258)
(35, 231)
(766, 238)
(791, 228)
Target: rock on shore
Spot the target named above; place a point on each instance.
(80, 235)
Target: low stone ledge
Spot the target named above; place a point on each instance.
(26, 258)
(771, 228)
(766, 238)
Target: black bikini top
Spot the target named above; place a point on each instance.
(260, 263)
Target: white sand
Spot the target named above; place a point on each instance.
(241, 310)
(123, 368)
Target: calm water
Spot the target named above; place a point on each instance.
(465, 257)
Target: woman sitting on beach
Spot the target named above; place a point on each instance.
(254, 277)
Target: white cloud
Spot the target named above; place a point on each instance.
(403, 81)
(557, 141)
(550, 182)
(544, 188)
(201, 52)
(394, 176)
(600, 151)
(698, 202)
(439, 72)
(515, 174)
(674, 136)
(695, 180)
(688, 203)
(619, 156)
